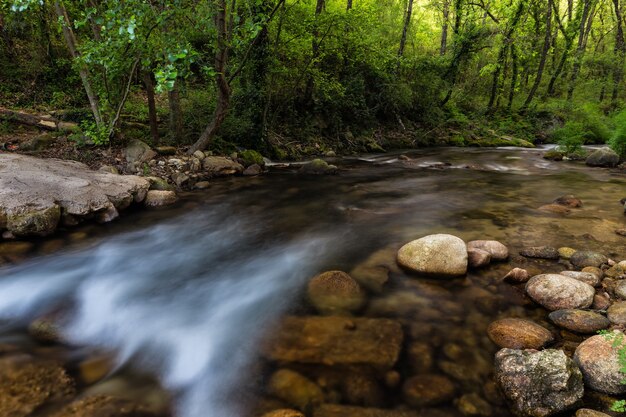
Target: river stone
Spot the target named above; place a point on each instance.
(34, 192)
(593, 270)
(336, 340)
(599, 362)
(427, 390)
(336, 410)
(617, 313)
(555, 208)
(104, 406)
(518, 334)
(373, 273)
(566, 252)
(601, 301)
(157, 198)
(497, 250)
(558, 292)
(295, 389)
(585, 412)
(220, 166)
(253, 170)
(420, 357)
(477, 258)
(335, 293)
(586, 277)
(517, 275)
(569, 201)
(615, 271)
(25, 387)
(542, 252)
(435, 255)
(538, 384)
(474, 405)
(138, 151)
(579, 321)
(284, 412)
(582, 259)
(317, 167)
(603, 157)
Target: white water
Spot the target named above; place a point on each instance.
(186, 300)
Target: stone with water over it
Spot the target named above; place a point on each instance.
(105, 406)
(295, 389)
(477, 258)
(283, 412)
(335, 293)
(335, 340)
(497, 250)
(598, 359)
(538, 384)
(435, 255)
(569, 200)
(317, 167)
(517, 275)
(427, 390)
(558, 292)
(516, 333)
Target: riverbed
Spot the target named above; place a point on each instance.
(182, 297)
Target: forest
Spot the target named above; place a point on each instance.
(299, 77)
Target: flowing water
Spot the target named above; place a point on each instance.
(183, 295)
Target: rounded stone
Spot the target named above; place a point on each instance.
(598, 359)
(497, 250)
(474, 405)
(566, 252)
(518, 334)
(435, 255)
(517, 275)
(620, 290)
(335, 293)
(586, 277)
(427, 390)
(540, 252)
(579, 321)
(295, 389)
(160, 198)
(477, 258)
(569, 201)
(617, 313)
(594, 270)
(586, 412)
(583, 258)
(558, 292)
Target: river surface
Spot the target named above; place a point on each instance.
(182, 295)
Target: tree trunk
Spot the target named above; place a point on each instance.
(444, 28)
(176, 114)
(152, 114)
(513, 77)
(349, 5)
(543, 58)
(405, 29)
(580, 50)
(223, 87)
(620, 53)
(315, 48)
(70, 40)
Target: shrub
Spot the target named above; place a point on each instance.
(618, 140)
(571, 137)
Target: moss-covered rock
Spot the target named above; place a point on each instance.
(251, 157)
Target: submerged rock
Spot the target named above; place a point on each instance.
(427, 390)
(518, 334)
(435, 255)
(603, 157)
(335, 293)
(517, 275)
(558, 292)
(598, 359)
(317, 167)
(373, 273)
(105, 406)
(542, 252)
(336, 341)
(555, 208)
(477, 258)
(582, 259)
(538, 384)
(253, 170)
(474, 405)
(295, 389)
(569, 201)
(335, 410)
(579, 321)
(497, 250)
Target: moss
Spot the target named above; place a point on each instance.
(553, 155)
(251, 157)
(39, 222)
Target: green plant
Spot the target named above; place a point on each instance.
(619, 343)
(570, 138)
(98, 135)
(618, 140)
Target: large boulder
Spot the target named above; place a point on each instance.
(497, 250)
(598, 358)
(558, 292)
(603, 157)
(518, 334)
(538, 384)
(336, 341)
(36, 194)
(335, 293)
(435, 255)
(218, 166)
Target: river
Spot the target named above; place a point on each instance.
(182, 296)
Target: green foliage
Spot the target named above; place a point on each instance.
(251, 157)
(618, 140)
(571, 137)
(96, 135)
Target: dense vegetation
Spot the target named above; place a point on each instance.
(305, 76)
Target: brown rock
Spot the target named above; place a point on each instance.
(617, 313)
(335, 293)
(598, 360)
(542, 252)
(585, 412)
(594, 270)
(283, 413)
(360, 388)
(586, 277)
(601, 301)
(420, 357)
(497, 250)
(558, 292)
(569, 201)
(518, 334)
(158, 198)
(295, 389)
(555, 208)
(253, 170)
(427, 390)
(335, 410)
(336, 341)
(477, 258)
(219, 166)
(373, 273)
(104, 406)
(582, 259)
(579, 321)
(517, 275)
(438, 255)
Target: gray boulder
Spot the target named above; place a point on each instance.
(558, 292)
(538, 384)
(603, 157)
(138, 151)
